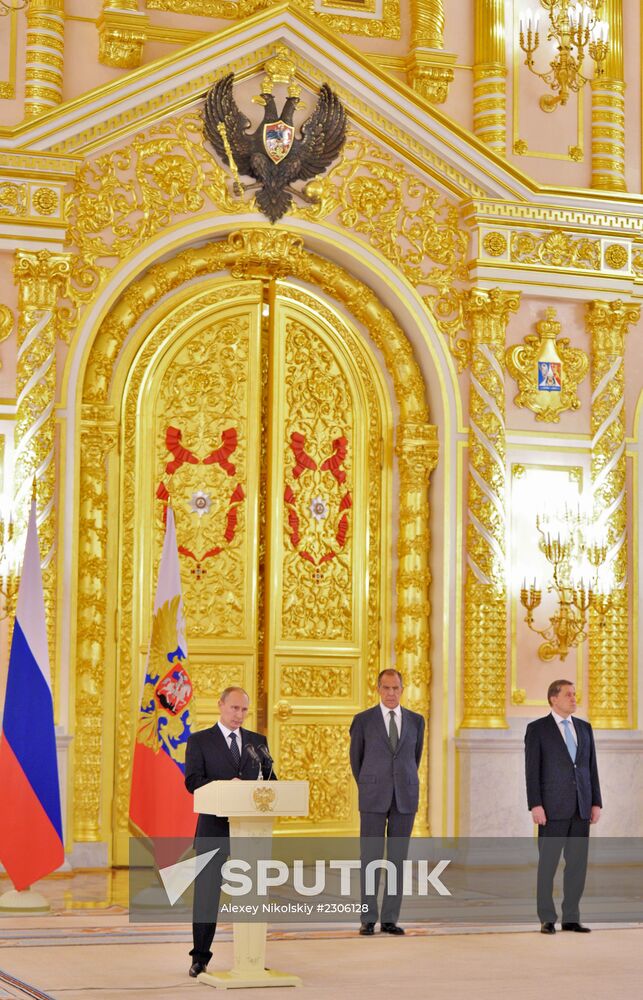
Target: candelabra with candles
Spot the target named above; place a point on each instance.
(12, 6)
(575, 29)
(568, 626)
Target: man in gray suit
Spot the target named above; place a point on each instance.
(386, 749)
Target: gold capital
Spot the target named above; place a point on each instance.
(486, 314)
(607, 324)
(42, 278)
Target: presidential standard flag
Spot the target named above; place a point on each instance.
(160, 805)
(31, 839)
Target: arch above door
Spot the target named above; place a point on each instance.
(264, 255)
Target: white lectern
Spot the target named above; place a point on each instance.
(251, 807)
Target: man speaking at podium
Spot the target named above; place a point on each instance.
(225, 752)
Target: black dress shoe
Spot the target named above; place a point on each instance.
(548, 928)
(367, 929)
(576, 927)
(392, 929)
(197, 968)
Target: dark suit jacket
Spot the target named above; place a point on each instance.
(378, 771)
(208, 758)
(553, 781)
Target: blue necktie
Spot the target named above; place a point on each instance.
(569, 739)
(234, 750)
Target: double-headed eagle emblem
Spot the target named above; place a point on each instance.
(273, 155)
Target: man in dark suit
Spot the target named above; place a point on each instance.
(564, 796)
(225, 752)
(386, 749)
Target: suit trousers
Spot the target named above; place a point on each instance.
(207, 889)
(570, 837)
(373, 826)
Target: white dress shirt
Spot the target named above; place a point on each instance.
(561, 728)
(387, 717)
(226, 732)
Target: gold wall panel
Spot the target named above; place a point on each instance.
(202, 414)
(318, 442)
(319, 752)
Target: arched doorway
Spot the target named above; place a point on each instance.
(295, 466)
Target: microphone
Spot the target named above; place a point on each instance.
(265, 753)
(252, 753)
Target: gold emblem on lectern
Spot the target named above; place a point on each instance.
(264, 799)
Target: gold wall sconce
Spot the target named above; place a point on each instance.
(575, 29)
(547, 370)
(565, 543)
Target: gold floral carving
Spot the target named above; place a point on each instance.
(98, 438)
(485, 625)
(317, 566)
(409, 391)
(495, 244)
(315, 682)
(45, 201)
(6, 324)
(122, 199)
(319, 754)
(556, 249)
(13, 199)
(616, 256)
(42, 280)
(405, 220)
(210, 679)
(609, 666)
(522, 364)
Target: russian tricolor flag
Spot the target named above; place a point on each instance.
(31, 838)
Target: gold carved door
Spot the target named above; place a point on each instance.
(259, 412)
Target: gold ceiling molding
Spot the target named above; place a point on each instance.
(416, 448)
(340, 15)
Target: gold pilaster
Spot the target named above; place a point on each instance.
(429, 68)
(489, 73)
(608, 108)
(609, 695)
(485, 617)
(417, 450)
(44, 61)
(42, 279)
(98, 437)
(122, 31)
